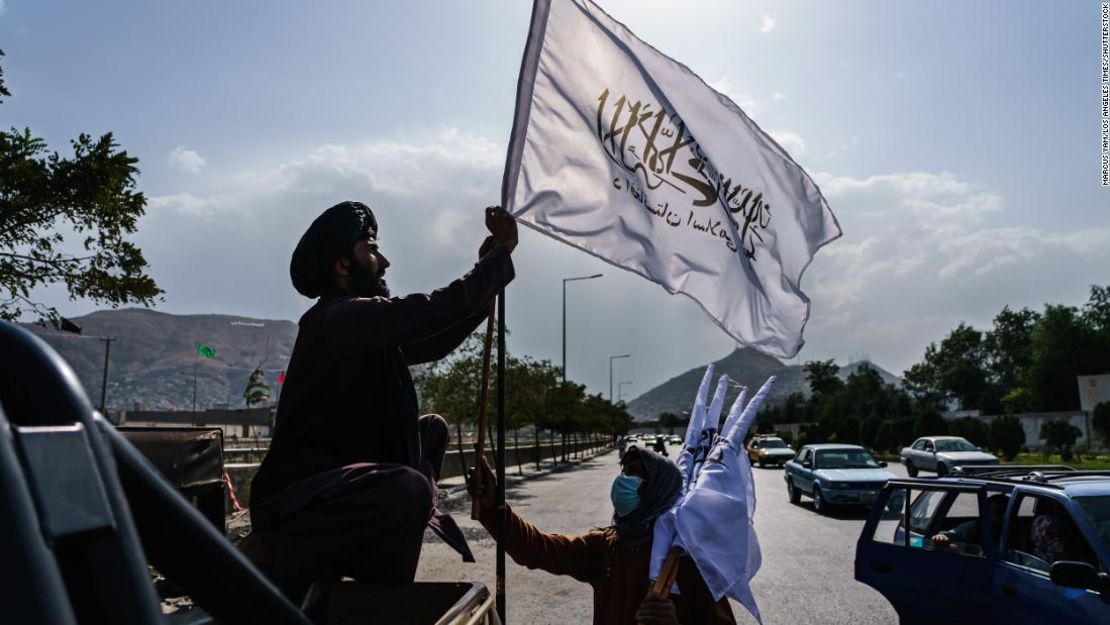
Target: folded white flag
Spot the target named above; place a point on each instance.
(715, 523)
(625, 153)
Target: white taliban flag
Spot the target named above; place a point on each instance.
(625, 153)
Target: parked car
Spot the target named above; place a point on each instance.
(765, 450)
(834, 474)
(1042, 558)
(675, 439)
(940, 454)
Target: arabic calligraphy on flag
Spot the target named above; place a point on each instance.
(624, 153)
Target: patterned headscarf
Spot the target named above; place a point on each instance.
(1050, 538)
(662, 485)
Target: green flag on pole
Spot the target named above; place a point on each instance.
(206, 351)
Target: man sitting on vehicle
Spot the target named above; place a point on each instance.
(968, 533)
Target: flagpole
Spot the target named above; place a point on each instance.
(500, 457)
(196, 365)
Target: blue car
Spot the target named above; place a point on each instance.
(994, 544)
(834, 474)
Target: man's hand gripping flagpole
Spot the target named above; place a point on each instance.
(713, 518)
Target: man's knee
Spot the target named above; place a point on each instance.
(433, 428)
(415, 491)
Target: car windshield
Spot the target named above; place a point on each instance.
(958, 444)
(845, 459)
(1097, 510)
(773, 443)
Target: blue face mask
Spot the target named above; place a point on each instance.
(625, 495)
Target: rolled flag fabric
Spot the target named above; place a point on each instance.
(715, 520)
(709, 429)
(663, 532)
(626, 154)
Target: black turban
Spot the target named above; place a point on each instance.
(662, 486)
(329, 237)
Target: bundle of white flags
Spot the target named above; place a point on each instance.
(713, 519)
(625, 153)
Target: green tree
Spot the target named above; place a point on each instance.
(822, 377)
(974, 430)
(257, 391)
(885, 438)
(869, 431)
(68, 220)
(1060, 435)
(929, 424)
(1007, 436)
(1017, 401)
(953, 370)
(670, 421)
(1064, 347)
(1009, 347)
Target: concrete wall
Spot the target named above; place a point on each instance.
(454, 463)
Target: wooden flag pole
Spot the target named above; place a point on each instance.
(667, 575)
(502, 419)
(483, 412)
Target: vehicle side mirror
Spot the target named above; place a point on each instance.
(1071, 574)
(807, 464)
(882, 463)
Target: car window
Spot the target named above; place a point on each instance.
(802, 456)
(1097, 510)
(928, 446)
(919, 445)
(774, 444)
(845, 459)
(923, 507)
(958, 444)
(956, 527)
(889, 528)
(1041, 532)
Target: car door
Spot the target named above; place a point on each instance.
(804, 479)
(1023, 591)
(926, 584)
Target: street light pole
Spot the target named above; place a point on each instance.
(565, 280)
(611, 359)
(104, 380)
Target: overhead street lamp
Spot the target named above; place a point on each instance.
(611, 359)
(565, 280)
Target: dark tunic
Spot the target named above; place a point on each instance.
(348, 484)
(348, 396)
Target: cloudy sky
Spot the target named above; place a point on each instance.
(956, 142)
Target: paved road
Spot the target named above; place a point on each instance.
(807, 559)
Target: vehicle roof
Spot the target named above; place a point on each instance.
(943, 438)
(1073, 486)
(823, 446)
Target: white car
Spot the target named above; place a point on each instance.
(940, 454)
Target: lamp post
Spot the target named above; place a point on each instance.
(67, 325)
(611, 359)
(620, 389)
(565, 280)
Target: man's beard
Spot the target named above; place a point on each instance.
(364, 284)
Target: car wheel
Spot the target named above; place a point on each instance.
(792, 492)
(910, 469)
(819, 505)
(942, 470)
(762, 463)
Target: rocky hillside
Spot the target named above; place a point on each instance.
(746, 367)
(154, 354)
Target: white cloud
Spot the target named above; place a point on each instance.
(187, 160)
(768, 24)
(778, 95)
(790, 141)
(724, 86)
(922, 251)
